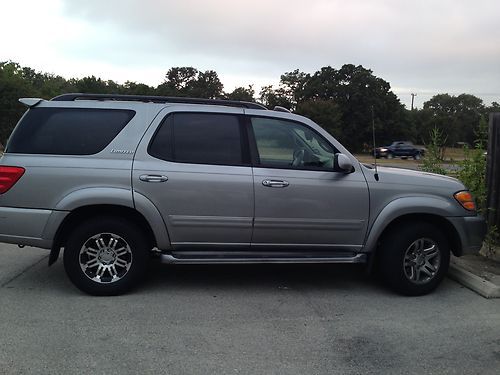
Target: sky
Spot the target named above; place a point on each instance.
(424, 47)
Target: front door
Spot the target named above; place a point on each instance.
(195, 169)
(300, 201)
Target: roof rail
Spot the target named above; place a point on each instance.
(157, 99)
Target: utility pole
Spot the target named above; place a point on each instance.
(412, 98)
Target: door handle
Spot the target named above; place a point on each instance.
(153, 178)
(275, 183)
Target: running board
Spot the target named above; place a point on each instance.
(215, 258)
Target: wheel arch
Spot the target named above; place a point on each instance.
(440, 222)
(83, 213)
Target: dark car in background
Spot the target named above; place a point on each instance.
(402, 149)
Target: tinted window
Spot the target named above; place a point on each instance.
(199, 138)
(287, 144)
(67, 131)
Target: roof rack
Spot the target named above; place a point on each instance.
(157, 99)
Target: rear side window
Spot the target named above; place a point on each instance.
(67, 131)
(199, 138)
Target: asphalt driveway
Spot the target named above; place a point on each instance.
(262, 319)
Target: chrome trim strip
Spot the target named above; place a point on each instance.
(283, 245)
(308, 224)
(169, 259)
(210, 244)
(307, 245)
(209, 221)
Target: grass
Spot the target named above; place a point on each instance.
(451, 155)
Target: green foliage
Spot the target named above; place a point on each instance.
(456, 116)
(241, 93)
(491, 241)
(472, 170)
(324, 112)
(435, 151)
(348, 93)
(188, 81)
(338, 99)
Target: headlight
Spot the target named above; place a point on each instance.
(465, 199)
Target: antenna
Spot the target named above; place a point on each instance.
(374, 146)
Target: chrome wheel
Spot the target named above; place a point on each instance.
(105, 258)
(422, 260)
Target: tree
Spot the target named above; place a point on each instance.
(133, 88)
(456, 116)
(13, 85)
(188, 81)
(325, 113)
(355, 90)
(272, 98)
(241, 93)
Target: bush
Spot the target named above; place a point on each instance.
(435, 153)
(472, 173)
(472, 170)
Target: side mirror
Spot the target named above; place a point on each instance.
(341, 163)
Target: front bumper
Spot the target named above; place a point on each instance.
(471, 230)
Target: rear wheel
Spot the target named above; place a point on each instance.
(414, 258)
(105, 256)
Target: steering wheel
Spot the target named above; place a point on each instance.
(298, 158)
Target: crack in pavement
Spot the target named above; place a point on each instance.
(23, 271)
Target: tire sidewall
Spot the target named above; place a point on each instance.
(128, 231)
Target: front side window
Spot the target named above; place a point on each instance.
(287, 144)
(199, 138)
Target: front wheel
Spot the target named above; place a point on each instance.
(414, 258)
(416, 156)
(105, 256)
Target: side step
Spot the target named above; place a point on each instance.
(247, 257)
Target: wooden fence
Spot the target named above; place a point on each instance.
(493, 171)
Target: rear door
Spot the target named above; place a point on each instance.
(194, 166)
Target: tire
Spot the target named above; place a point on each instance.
(106, 256)
(390, 155)
(416, 156)
(406, 262)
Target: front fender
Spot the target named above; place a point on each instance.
(405, 206)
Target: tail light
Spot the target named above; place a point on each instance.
(9, 176)
(465, 199)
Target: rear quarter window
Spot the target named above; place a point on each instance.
(67, 131)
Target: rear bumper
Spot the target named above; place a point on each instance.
(31, 227)
(471, 230)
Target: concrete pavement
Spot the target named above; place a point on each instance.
(262, 319)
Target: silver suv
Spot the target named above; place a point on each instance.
(114, 179)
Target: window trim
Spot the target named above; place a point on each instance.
(255, 151)
(244, 142)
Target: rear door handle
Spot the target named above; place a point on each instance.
(275, 183)
(153, 178)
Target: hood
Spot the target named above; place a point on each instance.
(402, 176)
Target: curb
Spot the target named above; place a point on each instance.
(477, 284)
